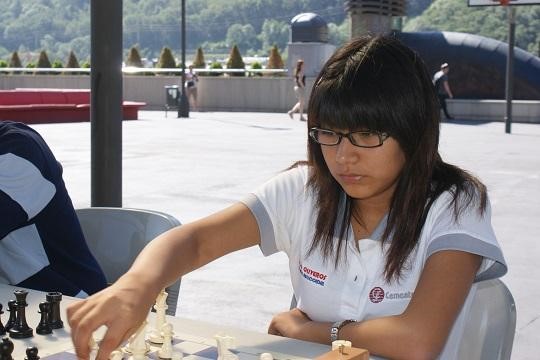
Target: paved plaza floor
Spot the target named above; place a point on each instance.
(192, 167)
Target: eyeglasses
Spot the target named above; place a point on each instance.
(364, 139)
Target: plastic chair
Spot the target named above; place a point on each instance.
(491, 324)
(116, 236)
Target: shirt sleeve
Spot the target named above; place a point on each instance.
(24, 191)
(472, 232)
(278, 206)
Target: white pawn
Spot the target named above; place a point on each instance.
(161, 307)
(177, 356)
(116, 355)
(266, 356)
(137, 343)
(166, 351)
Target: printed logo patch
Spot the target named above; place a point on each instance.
(312, 275)
(376, 295)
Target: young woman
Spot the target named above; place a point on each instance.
(299, 90)
(191, 87)
(385, 239)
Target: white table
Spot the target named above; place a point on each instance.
(60, 339)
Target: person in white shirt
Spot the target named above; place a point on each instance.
(385, 240)
(191, 88)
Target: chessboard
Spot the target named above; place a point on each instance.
(191, 347)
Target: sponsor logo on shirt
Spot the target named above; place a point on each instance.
(377, 294)
(312, 275)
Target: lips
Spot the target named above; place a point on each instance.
(350, 178)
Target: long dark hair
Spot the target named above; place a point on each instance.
(377, 83)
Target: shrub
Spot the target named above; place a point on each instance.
(3, 64)
(166, 61)
(43, 61)
(134, 58)
(15, 61)
(72, 61)
(198, 62)
(215, 65)
(275, 61)
(57, 64)
(235, 61)
(256, 65)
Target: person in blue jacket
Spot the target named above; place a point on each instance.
(42, 245)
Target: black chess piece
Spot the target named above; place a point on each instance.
(2, 328)
(44, 327)
(12, 315)
(32, 353)
(54, 298)
(20, 329)
(6, 349)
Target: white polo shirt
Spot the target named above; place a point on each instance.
(286, 214)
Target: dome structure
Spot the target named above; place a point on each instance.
(309, 27)
(477, 64)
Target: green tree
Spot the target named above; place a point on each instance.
(199, 62)
(15, 61)
(166, 60)
(243, 36)
(43, 60)
(275, 61)
(235, 61)
(72, 61)
(134, 58)
(274, 32)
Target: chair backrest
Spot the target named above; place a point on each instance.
(116, 236)
(491, 324)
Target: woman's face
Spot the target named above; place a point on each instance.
(365, 174)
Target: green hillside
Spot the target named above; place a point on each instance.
(58, 26)
(490, 21)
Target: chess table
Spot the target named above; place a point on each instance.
(52, 346)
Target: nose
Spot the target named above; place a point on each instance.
(346, 151)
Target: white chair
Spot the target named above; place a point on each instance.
(491, 324)
(115, 237)
(490, 328)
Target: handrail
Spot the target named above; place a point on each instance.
(135, 70)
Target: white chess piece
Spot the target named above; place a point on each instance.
(177, 356)
(266, 356)
(137, 343)
(116, 355)
(161, 307)
(166, 351)
(224, 343)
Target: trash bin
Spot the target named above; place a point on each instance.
(172, 97)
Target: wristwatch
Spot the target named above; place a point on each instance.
(334, 330)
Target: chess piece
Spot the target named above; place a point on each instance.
(224, 344)
(44, 327)
(160, 306)
(20, 329)
(31, 353)
(6, 349)
(54, 298)
(266, 356)
(2, 328)
(166, 350)
(137, 343)
(177, 356)
(116, 355)
(11, 320)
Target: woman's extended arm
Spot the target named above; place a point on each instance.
(420, 332)
(124, 305)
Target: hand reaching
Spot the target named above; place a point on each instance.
(288, 324)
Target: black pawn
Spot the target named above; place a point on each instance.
(6, 349)
(12, 315)
(2, 328)
(20, 329)
(44, 326)
(54, 298)
(31, 353)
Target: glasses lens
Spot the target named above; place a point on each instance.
(326, 137)
(365, 138)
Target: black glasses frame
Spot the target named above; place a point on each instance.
(314, 130)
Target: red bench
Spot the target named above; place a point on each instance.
(35, 106)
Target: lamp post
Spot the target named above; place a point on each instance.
(183, 107)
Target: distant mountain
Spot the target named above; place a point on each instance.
(489, 21)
